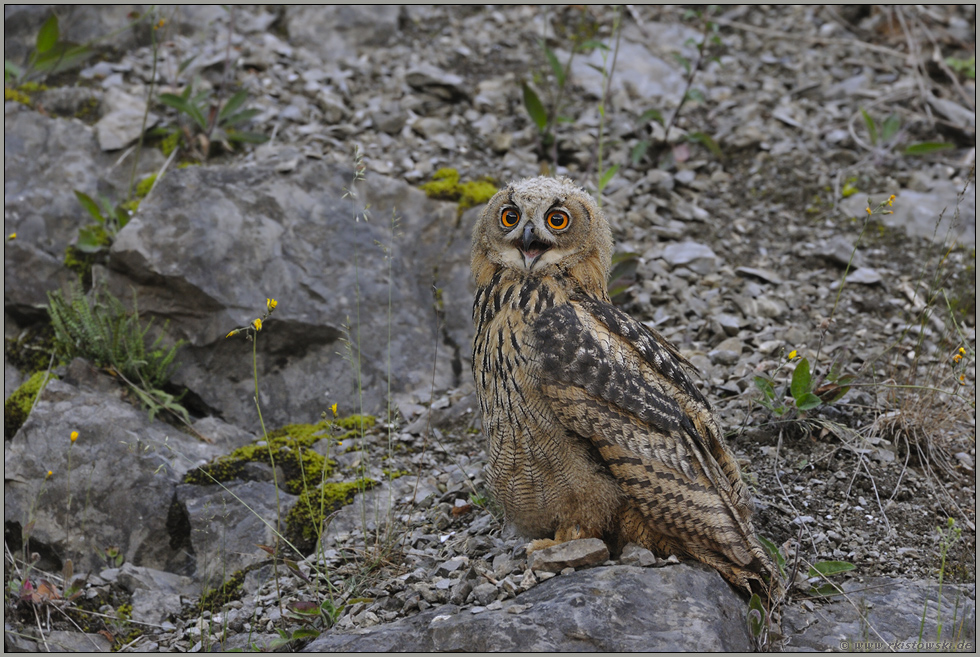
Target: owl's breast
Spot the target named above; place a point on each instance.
(531, 457)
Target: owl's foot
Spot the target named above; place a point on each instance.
(563, 535)
(539, 544)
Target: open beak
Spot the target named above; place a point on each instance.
(530, 247)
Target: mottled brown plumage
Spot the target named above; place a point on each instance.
(594, 428)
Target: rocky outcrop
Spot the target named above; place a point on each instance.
(606, 609)
(212, 244)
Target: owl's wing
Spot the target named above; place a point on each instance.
(611, 380)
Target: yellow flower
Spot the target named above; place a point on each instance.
(868, 210)
(257, 324)
(962, 379)
(791, 355)
(12, 236)
(270, 304)
(962, 350)
(890, 199)
(334, 409)
(236, 331)
(50, 472)
(74, 436)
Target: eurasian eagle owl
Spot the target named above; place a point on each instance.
(594, 428)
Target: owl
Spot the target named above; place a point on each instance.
(593, 426)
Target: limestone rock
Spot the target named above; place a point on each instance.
(609, 609)
(571, 554)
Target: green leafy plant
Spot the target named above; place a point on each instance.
(756, 616)
(818, 572)
(50, 56)
(805, 390)
(708, 47)
(889, 133)
(315, 618)
(99, 328)
(546, 120)
(821, 571)
(775, 553)
(209, 123)
(109, 220)
(965, 67)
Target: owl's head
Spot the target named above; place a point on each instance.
(540, 227)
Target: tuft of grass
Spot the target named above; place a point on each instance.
(100, 329)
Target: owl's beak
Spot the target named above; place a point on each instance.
(531, 247)
(528, 238)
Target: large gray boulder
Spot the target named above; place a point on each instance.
(687, 607)
(211, 244)
(45, 160)
(882, 610)
(114, 487)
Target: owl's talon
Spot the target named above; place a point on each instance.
(539, 544)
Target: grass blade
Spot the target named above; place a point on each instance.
(607, 176)
(233, 104)
(651, 115)
(890, 127)
(926, 147)
(534, 108)
(872, 130)
(828, 568)
(556, 66)
(47, 36)
(90, 206)
(182, 105)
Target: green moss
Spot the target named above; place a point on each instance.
(88, 111)
(143, 188)
(304, 522)
(18, 405)
(16, 96)
(170, 142)
(230, 589)
(31, 350)
(81, 262)
(29, 87)
(355, 422)
(304, 469)
(445, 185)
(476, 192)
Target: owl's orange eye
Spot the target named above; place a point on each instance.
(509, 217)
(558, 220)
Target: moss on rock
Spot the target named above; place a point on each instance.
(18, 405)
(445, 185)
(305, 472)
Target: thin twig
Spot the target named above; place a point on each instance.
(687, 86)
